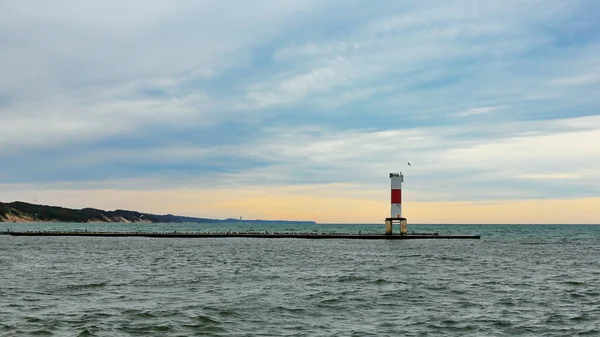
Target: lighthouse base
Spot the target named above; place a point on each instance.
(389, 226)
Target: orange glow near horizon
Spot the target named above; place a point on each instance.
(328, 204)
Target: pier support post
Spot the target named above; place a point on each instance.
(391, 222)
(388, 227)
(403, 227)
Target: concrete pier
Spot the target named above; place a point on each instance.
(264, 235)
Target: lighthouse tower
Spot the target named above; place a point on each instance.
(396, 205)
(396, 187)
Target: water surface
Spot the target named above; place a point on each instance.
(516, 280)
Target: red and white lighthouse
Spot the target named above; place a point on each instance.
(396, 187)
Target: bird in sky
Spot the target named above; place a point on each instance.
(409, 163)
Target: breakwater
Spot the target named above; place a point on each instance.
(266, 235)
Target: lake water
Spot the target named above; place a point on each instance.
(525, 280)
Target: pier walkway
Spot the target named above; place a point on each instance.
(265, 235)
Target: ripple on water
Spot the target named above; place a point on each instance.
(142, 329)
(589, 332)
(85, 286)
(381, 281)
(207, 320)
(202, 327)
(40, 332)
(86, 333)
(330, 302)
(282, 309)
(351, 278)
(502, 324)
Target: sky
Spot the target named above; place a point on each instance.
(300, 109)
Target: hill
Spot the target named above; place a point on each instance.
(25, 212)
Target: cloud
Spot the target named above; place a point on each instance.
(489, 101)
(66, 120)
(477, 111)
(552, 176)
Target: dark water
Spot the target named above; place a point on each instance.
(516, 280)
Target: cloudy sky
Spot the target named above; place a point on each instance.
(299, 109)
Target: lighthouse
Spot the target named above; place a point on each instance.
(396, 180)
(396, 188)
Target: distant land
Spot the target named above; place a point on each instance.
(25, 212)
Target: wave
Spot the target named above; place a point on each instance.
(86, 286)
